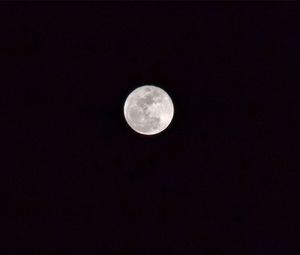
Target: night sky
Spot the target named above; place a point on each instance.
(218, 180)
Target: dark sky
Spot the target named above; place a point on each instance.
(217, 181)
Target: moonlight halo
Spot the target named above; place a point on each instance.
(148, 110)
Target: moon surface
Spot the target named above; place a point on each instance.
(148, 110)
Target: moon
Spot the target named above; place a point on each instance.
(148, 110)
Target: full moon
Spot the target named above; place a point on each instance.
(148, 110)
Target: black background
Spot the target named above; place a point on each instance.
(216, 181)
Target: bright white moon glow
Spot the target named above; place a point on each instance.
(148, 110)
